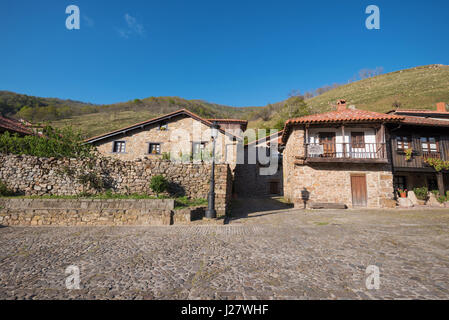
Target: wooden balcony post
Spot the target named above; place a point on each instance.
(382, 139)
(306, 142)
(440, 182)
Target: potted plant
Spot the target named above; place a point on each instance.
(408, 154)
(402, 193)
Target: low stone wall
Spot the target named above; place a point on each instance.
(94, 212)
(85, 212)
(29, 175)
(185, 216)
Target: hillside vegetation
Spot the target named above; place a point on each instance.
(416, 88)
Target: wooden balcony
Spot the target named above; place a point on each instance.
(346, 153)
(416, 161)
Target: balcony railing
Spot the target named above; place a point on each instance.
(361, 151)
(431, 154)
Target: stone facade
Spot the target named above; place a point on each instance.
(331, 182)
(177, 139)
(28, 175)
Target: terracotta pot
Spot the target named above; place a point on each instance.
(403, 194)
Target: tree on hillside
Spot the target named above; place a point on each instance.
(294, 107)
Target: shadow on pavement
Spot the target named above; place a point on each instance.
(255, 207)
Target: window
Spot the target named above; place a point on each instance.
(198, 148)
(163, 126)
(154, 148)
(404, 142)
(119, 147)
(358, 140)
(429, 144)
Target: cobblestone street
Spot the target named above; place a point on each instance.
(283, 254)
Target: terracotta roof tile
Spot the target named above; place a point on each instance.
(13, 125)
(137, 125)
(347, 115)
(421, 121)
(418, 111)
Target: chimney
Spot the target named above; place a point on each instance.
(341, 105)
(441, 107)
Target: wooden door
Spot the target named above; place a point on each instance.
(274, 187)
(359, 194)
(327, 140)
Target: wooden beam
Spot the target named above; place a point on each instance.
(306, 141)
(440, 181)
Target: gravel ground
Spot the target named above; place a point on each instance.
(282, 254)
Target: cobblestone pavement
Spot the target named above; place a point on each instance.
(288, 254)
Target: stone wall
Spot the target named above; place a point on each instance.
(88, 212)
(62, 212)
(28, 175)
(331, 182)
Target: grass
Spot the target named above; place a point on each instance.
(184, 202)
(416, 88)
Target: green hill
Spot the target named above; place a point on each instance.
(416, 88)
(95, 119)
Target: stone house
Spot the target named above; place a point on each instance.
(338, 157)
(181, 135)
(361, 158)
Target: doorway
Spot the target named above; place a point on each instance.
(359, 192)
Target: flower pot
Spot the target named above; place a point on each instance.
(403, 194)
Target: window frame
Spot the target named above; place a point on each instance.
(118, 150)
(400, 142)
(150, 144)
(163, 126)
(201, 143)
(355, 144)
(428, 143)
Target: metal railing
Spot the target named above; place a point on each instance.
(346, 150)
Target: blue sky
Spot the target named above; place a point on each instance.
(240, 53)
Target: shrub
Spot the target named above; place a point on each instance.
(442, 199)
(166, 156)
(421, 193)
(57, 143)
(91, 179)
(436, 193)
(158, 184)
(4, 190)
